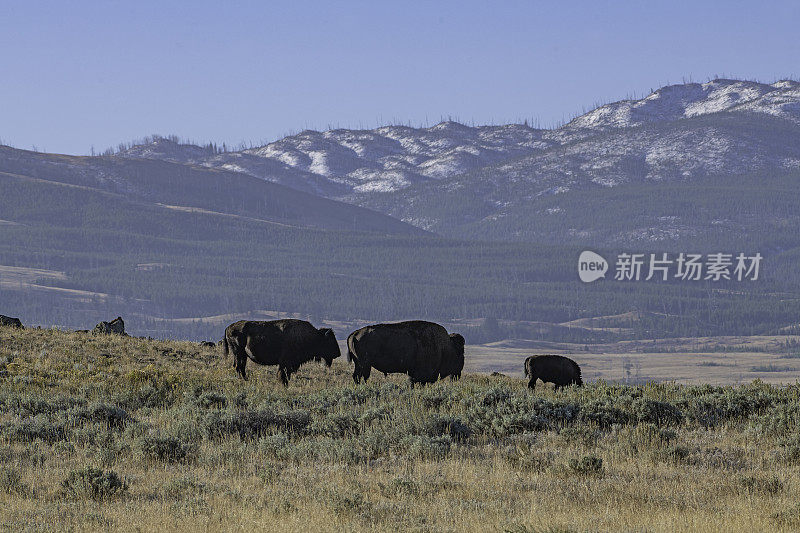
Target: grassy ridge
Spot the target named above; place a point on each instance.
(121, 433)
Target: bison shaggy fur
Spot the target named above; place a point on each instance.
(423, 350)
(555, 369)
(287, 343)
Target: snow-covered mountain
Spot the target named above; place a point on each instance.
(781, 99)
(339, 163)
(498, 175)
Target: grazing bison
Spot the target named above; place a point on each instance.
(423, 350)
(552, 369)
(115, 327)
(9, 321)
(287, 343)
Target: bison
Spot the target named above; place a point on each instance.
(287, 343)
(115, 327)
(10, 321)
(423, 350)
(555, 369)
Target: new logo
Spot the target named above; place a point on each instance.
(591, 266)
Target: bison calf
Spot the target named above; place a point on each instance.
(555, 369)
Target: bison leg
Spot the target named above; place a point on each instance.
(365, 372)
(532, 383)
(283, 376)
(239, 364)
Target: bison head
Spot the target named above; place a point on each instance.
(455, 361)
(330, 348)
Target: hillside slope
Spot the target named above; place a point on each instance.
(174, 186)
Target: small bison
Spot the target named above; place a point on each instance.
(287, 343)
(555, 369)
(10, 321)
(115, 327)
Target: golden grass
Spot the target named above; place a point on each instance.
(737, 475)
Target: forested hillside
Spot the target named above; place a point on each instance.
(477, 226)
(146, 261)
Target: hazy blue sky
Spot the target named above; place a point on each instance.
(80, 74)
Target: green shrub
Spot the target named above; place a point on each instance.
(585, 435)
(788, 517)
(759, 485)
(275, 446)
(671, 454)
(440, 425)
(40, 427)
(777, 421)
(589, 465)
(529, 459)
(603, 413)
(11, 483)
(180, 488)
(26, 407)
(347, 504)
(425, 447)
(168, 449)
(112, 416)
(253, 424)
(499, 413)
(716, 405)
(93, 483)
(212, 400)
(400, 487)
(334, 425)
(659, 413)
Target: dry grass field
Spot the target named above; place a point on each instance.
(111, 433)
(703, 360)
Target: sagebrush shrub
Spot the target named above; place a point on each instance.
(761, 485)
(112, 416)
(39, 427)
(440, 425)
(168, 449)
(93, 483)
(589, 465)
(11, 482)
(585, 435)
(253, 424)
(659, 413)
(212, 400)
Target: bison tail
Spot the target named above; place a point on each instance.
(225, 348)
(350, 349)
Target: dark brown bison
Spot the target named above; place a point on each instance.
(555, 369)
(287, 343)
(115, 327)
(9, 321)
(423, 350)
